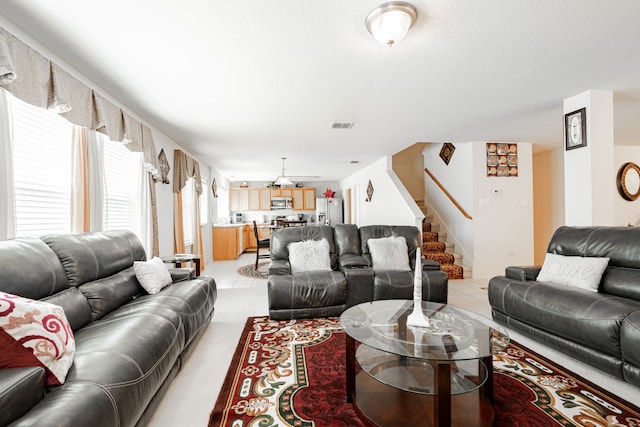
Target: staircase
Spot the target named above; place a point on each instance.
(436, 248)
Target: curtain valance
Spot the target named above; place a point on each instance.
(36, 80)
(185, 167)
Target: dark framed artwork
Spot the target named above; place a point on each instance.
(214, 188)
(446, 152)
(369, 192)
(163, 165)
(575, 129)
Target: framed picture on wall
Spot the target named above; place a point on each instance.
(575, 129)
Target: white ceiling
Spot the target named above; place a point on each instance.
(241, 84)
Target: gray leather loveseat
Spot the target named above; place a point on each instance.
(599, 328)
(352, 279)
(129, 345)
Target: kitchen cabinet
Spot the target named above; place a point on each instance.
(281, 192)
(225, 243)
(309, 199)
(238, 199)
(265, 199)
(297, 196)
(249, 199)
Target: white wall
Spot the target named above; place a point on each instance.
(391, 203)
(626, 212)
(502, 215)
(588, 196)
(457, 178)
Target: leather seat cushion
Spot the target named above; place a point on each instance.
(589, 318)
(307, 290)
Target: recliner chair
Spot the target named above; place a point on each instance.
(398, 284)
(311, 293)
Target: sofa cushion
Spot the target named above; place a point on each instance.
(389, 253)
(307, 290)
(153, 275)
(35, 333)
(309, 255)
(105, 295)
(574, 271)
(75, 306)
(589, 318)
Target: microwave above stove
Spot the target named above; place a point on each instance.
(281, 203)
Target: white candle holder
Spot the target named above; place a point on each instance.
(417, 317)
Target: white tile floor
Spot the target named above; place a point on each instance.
(193, 393)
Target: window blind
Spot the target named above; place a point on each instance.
(42, 170)
(187, 212)
(120, 187)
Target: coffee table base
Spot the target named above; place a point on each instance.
(380, 405)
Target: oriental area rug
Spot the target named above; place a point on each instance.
(250, 270)
(292, 373)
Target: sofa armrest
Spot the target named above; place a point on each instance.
(428, 264)
(352, 260)
(522, 273)
(182, 274)
(20, 390)
(359, 284)
(279, 267)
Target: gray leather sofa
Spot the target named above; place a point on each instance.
(129, 344)
(352, 279)
(601, 329)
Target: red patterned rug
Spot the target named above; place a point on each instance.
(291, 373)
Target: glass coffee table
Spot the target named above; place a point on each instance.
(441, 375)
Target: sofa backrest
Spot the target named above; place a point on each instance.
(347, 239)
(280, 240)
(100, 264)
(410, 233)
(29, 268)
(620, 244)
(92, 256)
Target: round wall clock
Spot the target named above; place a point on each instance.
(628, 181)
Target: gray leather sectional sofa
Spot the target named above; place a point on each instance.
(599, 328)
(129, 345)
(352, 279)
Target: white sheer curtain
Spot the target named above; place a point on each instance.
(7, 195)
(142, 214)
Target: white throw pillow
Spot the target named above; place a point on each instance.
(575, 271)
(153, 275)
(389, 253)
(309, 255)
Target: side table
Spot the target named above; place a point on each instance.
(178, 259)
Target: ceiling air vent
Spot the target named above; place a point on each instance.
(342, 125)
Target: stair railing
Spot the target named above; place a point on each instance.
(446, 193)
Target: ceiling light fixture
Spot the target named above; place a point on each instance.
(283, 180)
(390, 22)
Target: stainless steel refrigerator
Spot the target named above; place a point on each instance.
(329, 211)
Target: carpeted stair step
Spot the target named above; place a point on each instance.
(434, 247)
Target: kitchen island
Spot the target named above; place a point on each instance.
(230, 240)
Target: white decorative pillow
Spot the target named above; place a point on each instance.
(153, 275)
(575, 271)
(35, 333)
(309, 255)
(389, 253)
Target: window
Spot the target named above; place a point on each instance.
(187, 212)
(121, 176)
(42, 170)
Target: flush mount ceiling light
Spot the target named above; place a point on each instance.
(390, 22)
(283, 180)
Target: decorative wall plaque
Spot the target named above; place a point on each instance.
(502, 159)
(369, 191)
(446, 152)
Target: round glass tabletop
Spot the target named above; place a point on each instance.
(453, 334)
